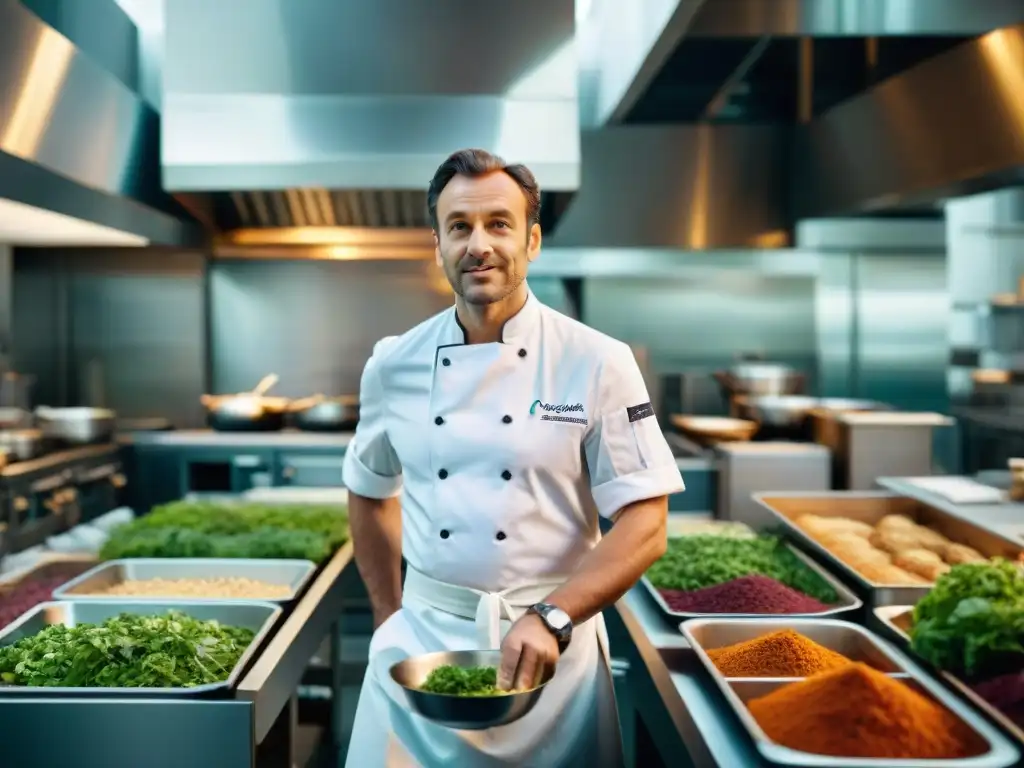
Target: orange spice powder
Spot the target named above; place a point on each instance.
(857, 711)
(779, 654)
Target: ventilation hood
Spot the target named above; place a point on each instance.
(79, 150)
(948, 127)
(316, 113)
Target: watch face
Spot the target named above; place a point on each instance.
(557, 618)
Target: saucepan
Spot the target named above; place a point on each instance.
(760, 379)
(472, 713)
(325, 414)
(77, 426)
(247, 411)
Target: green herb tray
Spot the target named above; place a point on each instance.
(256, 616)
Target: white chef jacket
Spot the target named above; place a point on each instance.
(504, 455)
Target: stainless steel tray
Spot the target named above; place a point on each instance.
(896, 621)
(848, 602)
(293, 574)
(870, 507)
(66, 566)
(257, 616)
(850, 640)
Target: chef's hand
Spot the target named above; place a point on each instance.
(528, 650)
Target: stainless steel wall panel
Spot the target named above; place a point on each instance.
(137, 317)
(703, 322)
(902, 337)
(312, 323)
(835, 322)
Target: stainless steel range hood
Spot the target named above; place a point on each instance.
(78, 148)
(948, 127)
(297, 113)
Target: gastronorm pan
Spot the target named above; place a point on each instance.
(870, 507)
(293, 574)
(848, 602)
(705, 634)
(256, 616)
(896, 620)
(849, 640)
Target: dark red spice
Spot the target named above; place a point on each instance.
(1005, 693)
(747, 594)
(26, 596)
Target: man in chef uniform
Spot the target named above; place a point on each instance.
(491, 438)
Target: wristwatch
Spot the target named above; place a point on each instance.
(557, 621)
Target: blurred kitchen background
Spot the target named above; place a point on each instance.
(194, 194)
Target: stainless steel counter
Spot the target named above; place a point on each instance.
(288, 438)
(670, 693)
(254, 725)
(1006, 519)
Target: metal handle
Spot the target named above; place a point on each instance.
(21, 504)
(118, 480)
(288, 472)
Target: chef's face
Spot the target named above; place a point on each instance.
(483, 241)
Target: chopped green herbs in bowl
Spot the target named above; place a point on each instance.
(450, 680)
(458, 689)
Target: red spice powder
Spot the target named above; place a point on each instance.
(747, 594)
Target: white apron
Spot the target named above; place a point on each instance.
(573, 723)
(504, 455)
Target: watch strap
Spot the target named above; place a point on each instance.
(563, 634)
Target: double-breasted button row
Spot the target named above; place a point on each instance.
(506, 419)
(500, 535)
(446, 361)
(443, 473)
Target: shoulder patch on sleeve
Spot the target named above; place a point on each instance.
(638, 412)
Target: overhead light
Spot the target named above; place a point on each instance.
(22, 224)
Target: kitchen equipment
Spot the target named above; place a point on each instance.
(847, 639)
(15, 418)
(711, 430)
(780, 416)
(21, 444)
(256, 616)
(247, 411)
(896, 621)
(851, 641)
(464, 713)
(871, 507)
(848, 602)
(77, 426)
(320, 413)
(293, 574)
(16, 391)
(760, 379)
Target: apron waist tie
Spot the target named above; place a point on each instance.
(487, 609)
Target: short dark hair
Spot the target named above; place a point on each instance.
(480, 162)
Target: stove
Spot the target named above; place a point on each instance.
(52, 493)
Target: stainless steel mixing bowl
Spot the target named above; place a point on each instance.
(468, 713)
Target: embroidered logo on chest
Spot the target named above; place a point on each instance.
(568, 413)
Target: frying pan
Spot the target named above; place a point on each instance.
(247, 411)
(320, 413)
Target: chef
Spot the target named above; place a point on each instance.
(491, 438)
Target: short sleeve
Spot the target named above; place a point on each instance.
(627, 454)
(371, 467)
